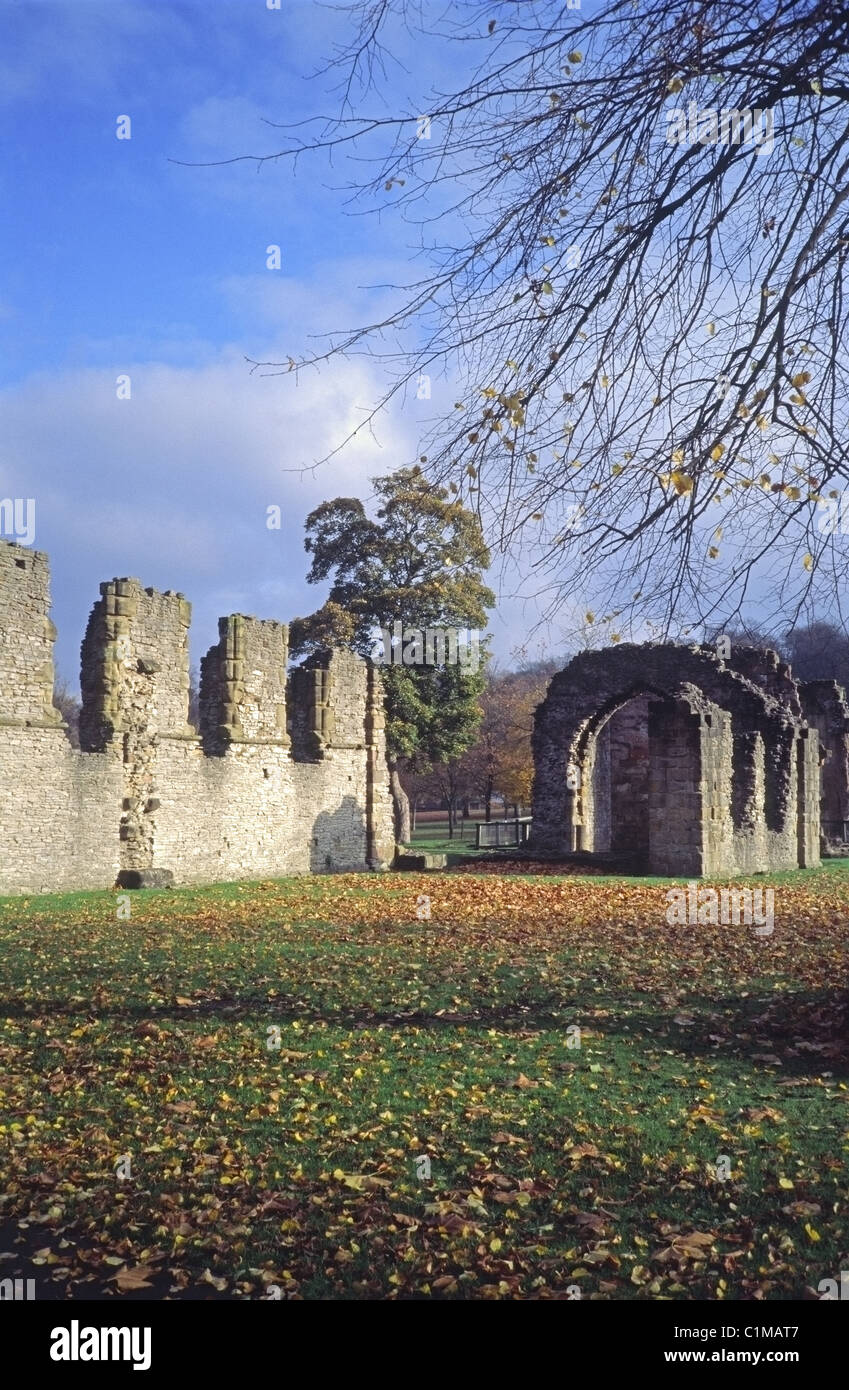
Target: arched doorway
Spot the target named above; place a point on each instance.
(640, 785)
(620, 787)
(668, 753)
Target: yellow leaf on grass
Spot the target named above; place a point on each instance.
(136, 1278)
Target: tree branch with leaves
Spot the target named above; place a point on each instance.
(646, 334)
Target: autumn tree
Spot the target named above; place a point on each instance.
(453, 782)
(501, 759)
(481, 760)
(633, 222)
(419, 564)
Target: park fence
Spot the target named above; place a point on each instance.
(501, 833)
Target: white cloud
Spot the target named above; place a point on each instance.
(82, 48)
(173, 485)
(219, 127)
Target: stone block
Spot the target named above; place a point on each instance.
(419, 863)
(146, 878)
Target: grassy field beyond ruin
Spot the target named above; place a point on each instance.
(406, 1046)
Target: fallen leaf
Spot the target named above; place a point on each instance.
(138, 1277)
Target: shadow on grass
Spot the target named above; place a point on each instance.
(800, 1031)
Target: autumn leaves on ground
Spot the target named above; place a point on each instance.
(146, 1047)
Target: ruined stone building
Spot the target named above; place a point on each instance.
(285, 775)
(688, 763)
(691, 764)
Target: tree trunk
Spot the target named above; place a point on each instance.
(415, 809)
(451, 819)
(400, 806)
(488, 802)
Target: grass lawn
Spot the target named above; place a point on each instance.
(434, 839)
(456, 849)
(552, 1167)
(430, 838)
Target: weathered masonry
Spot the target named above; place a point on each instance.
(696, 765)
(283, 776)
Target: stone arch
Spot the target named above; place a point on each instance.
(709, 725)
(612, 800)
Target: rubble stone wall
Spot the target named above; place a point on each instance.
(146, 790)
(700, 765)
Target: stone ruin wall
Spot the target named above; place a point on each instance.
(621, 780)
(283, 776)
(701, 766)
(826, 710)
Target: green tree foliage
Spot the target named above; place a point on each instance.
(419, 562)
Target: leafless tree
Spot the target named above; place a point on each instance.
(68, 705)
(636, 295)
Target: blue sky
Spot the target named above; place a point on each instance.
(118, 261)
